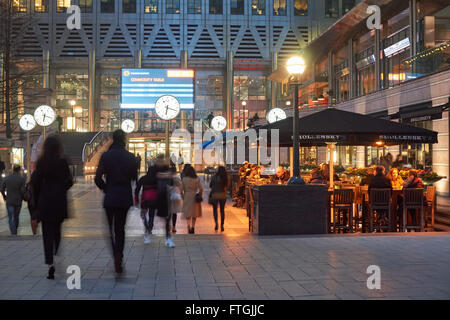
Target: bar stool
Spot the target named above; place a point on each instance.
(343, 209)
(380, 199)
(430, 208)
(413, 199)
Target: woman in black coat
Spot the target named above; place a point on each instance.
(50, 182)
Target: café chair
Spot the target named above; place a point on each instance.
(329, 208)
(359, 202)
(430, 208)
(413, 199)
(380, 199)
(251, 209)
(343, 209)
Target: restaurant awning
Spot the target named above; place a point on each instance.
(348, 128)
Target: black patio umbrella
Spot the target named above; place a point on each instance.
(348, 128)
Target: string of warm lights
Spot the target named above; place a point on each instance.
(428, 53)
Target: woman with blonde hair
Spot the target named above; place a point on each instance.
(396, 179)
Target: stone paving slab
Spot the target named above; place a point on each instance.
(413, 266)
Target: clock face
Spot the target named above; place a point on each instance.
(27, 122)
(44, 115)
(127, 125)
(167, 107)
(276, 114)
(218, 123)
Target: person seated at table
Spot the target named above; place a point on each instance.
(396, 179)
(316, 177)
(326, 173)
(255, 173)
(380, 181)
(281, 176)
(370, 174)
(243, 168)
(413, 180)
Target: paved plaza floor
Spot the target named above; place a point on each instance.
(210, 265)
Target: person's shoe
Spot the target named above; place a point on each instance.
(216, 227)
(169, 243)
(146, 238)
(174, 230)
(118, 264)
(192, 231)
(51, 273)
(221, 228)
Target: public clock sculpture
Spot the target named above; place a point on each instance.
(167, 107)
(275, 114)
(218, 123)
(27, 122)
(44, 115)
(127, 125)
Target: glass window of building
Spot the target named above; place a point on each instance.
(301, 7)
(258, 7)
(110, 98)
(107, 6)
(216, 6)
(237, 7)
(41, 6)
(249, 97)
(279, 7)
(62, 5)
(331, 8)
(209, 89)
(129, 6)
(173, 6)
(347, 5)
(20, 5)
(365, 64)
(418, 156)
(86, 6)
(73, 85)
(151, 6)
(194, 6)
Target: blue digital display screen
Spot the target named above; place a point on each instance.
(141, 88)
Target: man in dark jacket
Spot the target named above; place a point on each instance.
(119, 168)
(380, 181)
(14, 185)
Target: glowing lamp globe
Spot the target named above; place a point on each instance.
(296, 65)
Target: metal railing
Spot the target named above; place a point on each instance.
(96, 142)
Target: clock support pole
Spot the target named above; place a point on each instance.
(28, 158)
(167, 140)
(44, 134)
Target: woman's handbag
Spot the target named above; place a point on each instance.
(210, 199)
(198, 197)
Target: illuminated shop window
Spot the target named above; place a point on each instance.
(194, 6)
(216, 6)
(279, 7)
(151, 6)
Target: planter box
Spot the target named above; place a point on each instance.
(290, 209)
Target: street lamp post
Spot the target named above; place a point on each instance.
(296, 66)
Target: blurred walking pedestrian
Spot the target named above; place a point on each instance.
(148, 200)
(50, 182)
(192, 197)
(176, 199)
(218, 196)
(14, 186)
(165, 183)
(119, 168)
